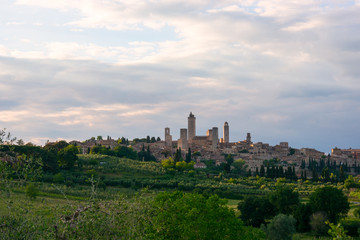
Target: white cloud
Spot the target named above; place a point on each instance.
(112, 66)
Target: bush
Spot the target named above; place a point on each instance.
(281, 227)
(351, 226)
(317, 223)
(31, 191)
(58, 178)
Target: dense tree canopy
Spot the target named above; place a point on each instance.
(284, 199)
(255, 210)
(179, 215)
(331, 201)
(67, 157)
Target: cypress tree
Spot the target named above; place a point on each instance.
(177, 157)
(342, 174)
(249, 173)
(188, 156)
(262, 171)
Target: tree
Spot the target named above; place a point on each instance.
(229, 159)
(178, 156)
(350, 183)
(302, 215)
(262, 171)
(291, 151)
(284, 199)
(99, 138)
(227, 167)
(342, 174)
(49, 159)
(314, 175)
(281, 227)
(331, 201)
(325, 174)
(188, 156)
(67, 157)
(317, 223)
(255, 210)
(180, 215)
(6, 137)
(239, 166)
(146, 155)
(31, 191)
(337, 231)
(20, 142)
(158, 139)
(168, 163)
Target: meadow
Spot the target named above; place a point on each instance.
(107, 197)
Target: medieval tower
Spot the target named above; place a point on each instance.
(183, 141)
(248, 138)
(215, 137)
(226, 132)
(191, 127)
(168, 137)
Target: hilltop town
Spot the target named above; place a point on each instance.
(211, 147)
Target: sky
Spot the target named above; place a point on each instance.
(283, 70)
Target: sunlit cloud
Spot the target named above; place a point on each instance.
(86, 67)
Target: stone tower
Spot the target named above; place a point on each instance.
(226, 132)
(248, 138)
(168, 137)
(183, 141)
(191, 127)
(215, 137)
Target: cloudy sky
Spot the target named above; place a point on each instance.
(284, 70)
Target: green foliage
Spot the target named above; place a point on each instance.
(188, 156)
(31, 191)
(58, 178)
(255, 210)
(67, 157)
(178, 157)
(181, 215)
(302, 215)
(350, 183)
(337, 231)
(169, 163)
(239, 166)
(284, 199)
(229, 159)
(281, 227)
(331, 201)
(351, 226)
(146, 155)
(317, 223)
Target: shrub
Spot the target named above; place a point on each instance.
(281, 227)
(351, 226)
(58, 178)
(317, 223)
(31, 191)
